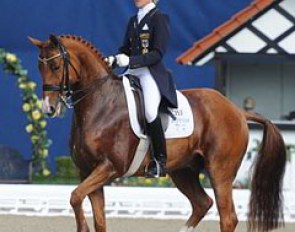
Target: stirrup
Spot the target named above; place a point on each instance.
(160, 170)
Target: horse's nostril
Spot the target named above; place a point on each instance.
(51, 111)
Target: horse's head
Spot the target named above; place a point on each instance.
(59, 70)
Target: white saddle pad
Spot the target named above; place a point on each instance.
(181, 127)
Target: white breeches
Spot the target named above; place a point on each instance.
(151, 92)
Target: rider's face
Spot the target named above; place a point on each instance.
(141, 3)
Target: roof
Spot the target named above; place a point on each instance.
(209, 43)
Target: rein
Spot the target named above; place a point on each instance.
(69, 94)
(76, 96)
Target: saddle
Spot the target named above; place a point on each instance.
(177, 123)
(140, 110)
(139, 101)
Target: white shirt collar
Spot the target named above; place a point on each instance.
(143, 11)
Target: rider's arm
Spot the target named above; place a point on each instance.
(125, 48)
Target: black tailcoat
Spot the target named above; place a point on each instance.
(146, 43)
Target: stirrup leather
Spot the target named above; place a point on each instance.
(158, 170)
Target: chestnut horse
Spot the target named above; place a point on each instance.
(103, 144)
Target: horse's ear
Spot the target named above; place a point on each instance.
(54, 39)
(36, 42)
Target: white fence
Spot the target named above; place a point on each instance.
(163, 203)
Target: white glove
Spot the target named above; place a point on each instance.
(110, 60)
(122, 60)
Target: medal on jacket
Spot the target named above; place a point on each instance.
(144, 38)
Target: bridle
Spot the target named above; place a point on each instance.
(69, 94)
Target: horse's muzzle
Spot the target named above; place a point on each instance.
(50, 110)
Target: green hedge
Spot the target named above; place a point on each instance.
(65, 167)
(67, 173)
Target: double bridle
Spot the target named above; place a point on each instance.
(69, 94)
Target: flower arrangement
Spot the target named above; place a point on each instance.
(32, 107)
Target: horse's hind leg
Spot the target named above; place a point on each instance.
(223, 194)
(222, 176)
(187, 181)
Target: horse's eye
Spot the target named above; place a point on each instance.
(54, 66)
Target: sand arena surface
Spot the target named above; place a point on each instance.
(67, 224)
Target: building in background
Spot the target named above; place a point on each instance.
(254, 58)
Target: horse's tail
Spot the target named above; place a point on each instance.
(265, 208)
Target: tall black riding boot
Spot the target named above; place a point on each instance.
(157, 167)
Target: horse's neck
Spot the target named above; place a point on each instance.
(105, 101)
(91, 68)
(106, 96)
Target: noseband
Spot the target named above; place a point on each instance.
(69, 94)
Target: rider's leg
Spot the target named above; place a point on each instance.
(157, 168)
(152, 99)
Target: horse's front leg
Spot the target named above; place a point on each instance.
(97, 202)
(98, 177)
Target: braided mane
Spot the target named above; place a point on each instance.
(89, 45)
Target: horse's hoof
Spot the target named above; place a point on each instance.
(187, 229)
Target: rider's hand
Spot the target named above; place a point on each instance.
(110, 60)
(122, 60)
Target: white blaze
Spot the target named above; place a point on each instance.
(46, 105)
